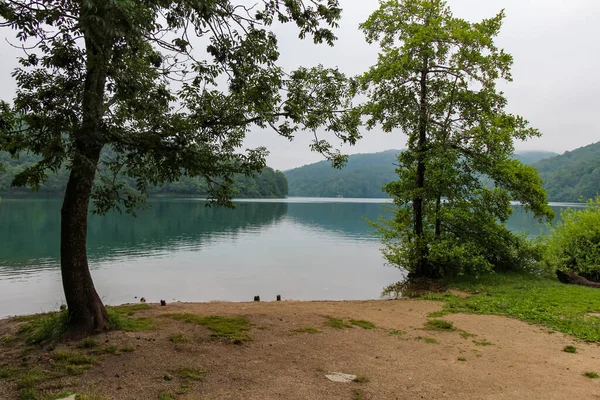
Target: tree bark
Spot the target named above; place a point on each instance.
(421, 268)
(86, 311)
(572, 279)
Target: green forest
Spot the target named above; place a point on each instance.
(266, 184)
(569, 177)
(572, 176)
(364, 175)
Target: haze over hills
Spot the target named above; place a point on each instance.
(567, 177)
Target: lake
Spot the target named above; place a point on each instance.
(181, 250)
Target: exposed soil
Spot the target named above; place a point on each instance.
(504, 359)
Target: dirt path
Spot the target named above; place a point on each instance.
(503, 359)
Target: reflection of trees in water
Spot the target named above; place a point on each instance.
(346, 218)
(522, 221)
(31, 229)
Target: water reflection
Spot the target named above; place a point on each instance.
(305, 249)
(29, 239)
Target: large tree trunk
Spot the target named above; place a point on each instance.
(421, 264)
(86, 311)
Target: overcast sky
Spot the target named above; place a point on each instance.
(556, 49)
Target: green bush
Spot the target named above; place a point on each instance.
(574, 244)
(472, 242)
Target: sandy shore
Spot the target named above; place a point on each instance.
(486, 357)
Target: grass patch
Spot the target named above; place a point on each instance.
(73, 357)
(127, 348)
(179, 338)
(396, 332)
(337, 323)
(482, 342)
(427, 340)
(192, 374)
(461, 359)
(92, 396)
(108, 349)
(439, 325)
(71, 362)
(231, 328)
(9, 372)
(128, 309)
(41, 328)
(8, 340)
(29, 378)
(437, 314)
(361, 379)
(28, 393)
(112, 349)
(465, 335)
(362, 323)
(534, 299)
(44, 327)
(166, 396)
(120, 320)
(33, 317)
(307, 330)
(570, 349)
(57, 396)
(87, 343)
(591, 375)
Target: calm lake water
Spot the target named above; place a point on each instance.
(301, 248)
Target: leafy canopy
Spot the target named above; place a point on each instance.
(435, 80)
(175, 84)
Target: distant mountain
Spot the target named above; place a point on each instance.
(572, 175)
(530, 157)
(364, 176)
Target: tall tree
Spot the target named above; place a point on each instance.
(172, 86)
(435, 80)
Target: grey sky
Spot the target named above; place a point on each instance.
(556, 49)
(554, 43)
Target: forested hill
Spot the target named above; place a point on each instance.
(268, 183)
(572, 175)
(364, 175)
(531, 157)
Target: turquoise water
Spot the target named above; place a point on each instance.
(179, 249)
